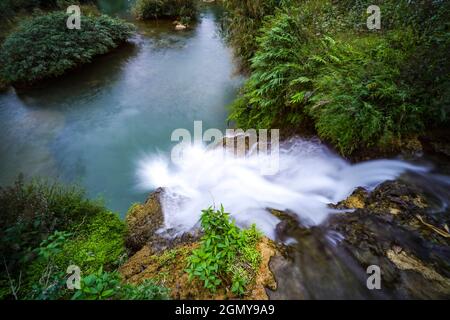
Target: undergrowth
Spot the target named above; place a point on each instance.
(316, 63)
(227, 256)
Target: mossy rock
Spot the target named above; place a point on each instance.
(143, 220)
(169, 268)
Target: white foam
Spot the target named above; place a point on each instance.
(310, 178)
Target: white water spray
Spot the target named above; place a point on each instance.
(310, 178)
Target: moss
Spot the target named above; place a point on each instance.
(99, 244)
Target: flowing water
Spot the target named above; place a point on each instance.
(310, 178)
(92, 126)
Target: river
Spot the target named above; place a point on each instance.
(92, 125)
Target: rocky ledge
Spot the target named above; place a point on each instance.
(162, 257)
(393, 228)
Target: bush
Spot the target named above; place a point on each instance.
(358, 88)
(148, 290)
(155, 9)
(44, 47)
(243, 23)
(98, 243)
(46, 227)
(99, 285)
(103, 285)
(227, 255)
(46, 281)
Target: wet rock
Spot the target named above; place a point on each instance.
(143, 220)
(180, 26)
(389, 232)
(3, 85)
(264, 280)
(167, 267)
(356, 201)
(393, 228)
(315, 269)
(411, 146)
(437, 142)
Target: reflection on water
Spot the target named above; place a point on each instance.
(92, 125)
(115, 7)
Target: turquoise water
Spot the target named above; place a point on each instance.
(92, 126)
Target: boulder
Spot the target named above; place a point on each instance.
(180, 26)
(168, 268)
(143, 220)
(392, 227)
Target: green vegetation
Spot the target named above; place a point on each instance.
(156, 9)
(316, 63)
(244, 22)
(47, 227)
(227, 255)
(102, 285)
(10, 10)
(44, 47)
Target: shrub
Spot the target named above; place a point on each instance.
(30, 212)
(243, 23)
(46, 227)
(284, 59)
(99, 285)
(155, 9)
(44, 47)
(358, 88)
(360, 100)
(46, 280)
(227, 255)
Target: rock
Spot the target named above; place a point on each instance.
(167, 267)
(355, 201)
(158, 255)
(264, 277)
(392, 228)
(180, 26)
(143, 220)
(411, 146)
(437, 142)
